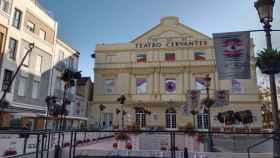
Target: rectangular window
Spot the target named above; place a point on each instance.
(26, 61)
(141, 86)
(38, 64)
(60, 56)
(109, 85)
(200, 56)
(35, 89)
(21, 86)
(170, 56)
(71, 63)
(141, 58)
(170, 120)
(30, 26)
(110, 58)
(17, 19)
(4, 5)
(42, 34)
(170, 85)
(12, 48)
(6, 79)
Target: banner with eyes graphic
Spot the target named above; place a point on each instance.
(232, 55)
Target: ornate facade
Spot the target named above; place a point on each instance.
(155, 71)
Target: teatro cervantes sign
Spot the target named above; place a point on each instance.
(171, 43)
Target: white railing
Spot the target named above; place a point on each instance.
(179, 154)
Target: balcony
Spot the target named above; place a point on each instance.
(150, 64)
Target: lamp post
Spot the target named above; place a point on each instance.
(208, 103)
(121, 100)
(194, 112)
(265, 11)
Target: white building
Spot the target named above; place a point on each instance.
(23, 22)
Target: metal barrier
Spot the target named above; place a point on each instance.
(142, 143)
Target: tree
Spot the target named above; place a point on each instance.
(264, 94)
(268, 60)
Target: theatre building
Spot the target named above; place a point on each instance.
(155, 71)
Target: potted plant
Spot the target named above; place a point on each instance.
(115, 145)
(163, 148)
(10, 152)
(189, 129)
(175, 148)
(129, 146)
(66, 144)
(200, 138)
(122, 139)
(268, 60)
(208, 102)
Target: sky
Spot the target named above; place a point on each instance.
(85, 23)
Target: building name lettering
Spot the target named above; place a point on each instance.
(177, 44)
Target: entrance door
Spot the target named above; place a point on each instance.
(140, 119)
(107, 120)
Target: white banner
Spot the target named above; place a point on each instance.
(232, 55)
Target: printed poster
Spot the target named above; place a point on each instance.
(232, 55)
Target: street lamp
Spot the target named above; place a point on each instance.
(265, 11)
(194, 111)
(208, 103)
(121, 100)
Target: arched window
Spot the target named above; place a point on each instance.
(202, 119)
(170, 118)
(140, 116)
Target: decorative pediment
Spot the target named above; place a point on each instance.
(170, 29)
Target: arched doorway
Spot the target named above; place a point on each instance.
(170, 116)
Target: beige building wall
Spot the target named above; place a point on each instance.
(118, 62)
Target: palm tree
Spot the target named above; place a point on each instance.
(268, 61)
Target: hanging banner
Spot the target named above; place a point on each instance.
(185, 110)
(221, 97)
(193, 97)
(232, 55)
